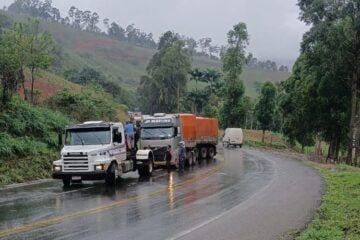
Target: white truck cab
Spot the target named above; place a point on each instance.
(96, 150)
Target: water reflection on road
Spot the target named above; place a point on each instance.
(154, 208)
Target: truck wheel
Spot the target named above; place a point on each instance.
(240, 145)
(211, 152)
(193, 158)
(203, 152)
(110, 177)
(146, 171)
(66, 182)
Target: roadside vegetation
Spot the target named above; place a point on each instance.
(339, 215)
(28, 141)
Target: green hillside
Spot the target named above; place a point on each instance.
(125, 63)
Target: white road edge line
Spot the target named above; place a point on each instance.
(25, 184)
(186, 232)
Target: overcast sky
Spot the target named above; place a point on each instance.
(273, 25)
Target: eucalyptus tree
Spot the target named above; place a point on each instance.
(168, 74)
(332, 52)
(265, 108)
(232, 111)
(299, 106)
(39, 46)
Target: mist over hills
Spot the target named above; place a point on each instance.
(122, 59)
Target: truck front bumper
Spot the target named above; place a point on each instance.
(95, 175)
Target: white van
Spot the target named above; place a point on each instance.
(233, 136)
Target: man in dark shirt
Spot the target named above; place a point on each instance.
(168, 157)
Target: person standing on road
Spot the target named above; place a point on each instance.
(168, 157)
(181, 156)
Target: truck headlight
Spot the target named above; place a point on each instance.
(57, 168)
(99, 167)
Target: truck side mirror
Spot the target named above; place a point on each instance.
(117, 138)
(60, 139)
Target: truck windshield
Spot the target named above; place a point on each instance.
(88, 136)
(157, 133)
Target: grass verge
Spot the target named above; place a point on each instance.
(339, 215)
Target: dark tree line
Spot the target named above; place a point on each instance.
(268, 65)
(84, 20)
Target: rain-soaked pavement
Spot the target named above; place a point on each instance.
(243, 194)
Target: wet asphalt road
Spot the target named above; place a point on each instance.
(243, 194)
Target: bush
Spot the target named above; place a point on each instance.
(84, 106)
(28, 141)
(26, 130)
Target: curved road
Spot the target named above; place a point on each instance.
(243, 194)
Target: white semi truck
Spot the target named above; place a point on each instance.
(96, 150)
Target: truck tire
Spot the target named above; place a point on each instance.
(203, 152)
(66, 182)
(193, 158)
(147, 170)
(240, 145)
(211, 152)
(110, 177)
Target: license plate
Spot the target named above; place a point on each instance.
(75, 178)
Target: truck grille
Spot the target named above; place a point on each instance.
(159, 154)
(76, 163)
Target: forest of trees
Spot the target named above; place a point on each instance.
(320, 99)
(318, 102)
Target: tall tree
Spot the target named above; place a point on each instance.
(300, 106)
(9, 66)
(265, 108)
(40, 46)
(191, 45)
(168, 73)
(117, 32)
(204, 44)
(333, 47)
(232, 111)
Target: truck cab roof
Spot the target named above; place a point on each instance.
(93, 124)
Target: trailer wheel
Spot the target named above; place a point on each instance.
(211, 152)
(66, 182)
(110, 177)
(203, 152)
